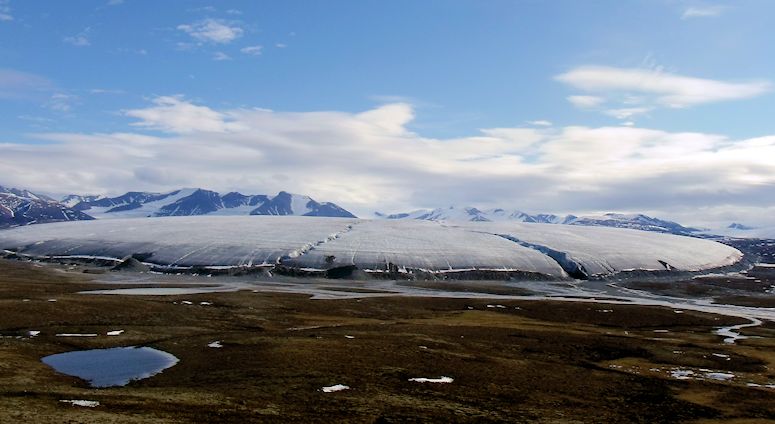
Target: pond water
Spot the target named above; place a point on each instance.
(111, 367)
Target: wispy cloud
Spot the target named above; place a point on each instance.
(627, 112)
(61, 102)
(540, 123)
(635, 91)
(252, 50)
(37, 121)
(586, 102)
(5, 11)
(221, 56)
(79, 40)
(106, 91)
(17, 85)
(213, 31)
(127, 50)
(709, 11)
(203, 9)
(22, 86)
(670, 90)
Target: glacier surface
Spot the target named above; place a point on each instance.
(311, 243)
(606, 250)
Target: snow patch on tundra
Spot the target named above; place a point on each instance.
(335, 388)
(432, 380)
(83, 403)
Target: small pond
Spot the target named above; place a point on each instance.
(112, 367)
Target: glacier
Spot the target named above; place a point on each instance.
(376, 246)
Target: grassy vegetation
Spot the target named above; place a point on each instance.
(529, 361)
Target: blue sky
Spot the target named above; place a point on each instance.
(433, 79)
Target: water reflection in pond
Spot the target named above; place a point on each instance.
(112, 367)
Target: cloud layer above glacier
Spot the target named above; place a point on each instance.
(371, 160)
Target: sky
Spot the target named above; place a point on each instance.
(662, 106)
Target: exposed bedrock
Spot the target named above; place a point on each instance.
(343, 247)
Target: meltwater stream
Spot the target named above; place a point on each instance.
(598, 291)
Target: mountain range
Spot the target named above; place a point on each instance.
(22, 207)
(633, 221)
(197, 201)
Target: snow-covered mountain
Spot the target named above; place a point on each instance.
(738, 230)
(22, 207)
(634, 221)
(197, 201)
(74, 199)
(454, 213)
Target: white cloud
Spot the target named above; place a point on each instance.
(175, 115)
(252, 50)
(219, 56)
(586, 102)
(281, 45)
(540, 123)
(632, 92)
(370, 160)
(212, 31)
(669, 90)
(703, 11)
(627, 113)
